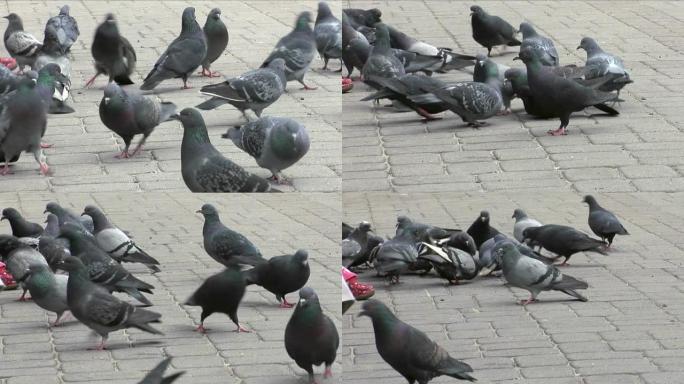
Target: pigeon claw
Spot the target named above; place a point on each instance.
(5, 170)
(327, 373)
(285, 304)
(240, 328)
(307, 88)
(557, 132)
(528, 301)
(44, 169)
(201, 329)
(46, 145)
(123, 155)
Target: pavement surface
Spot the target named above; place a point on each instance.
(167, 227)
(82, 158)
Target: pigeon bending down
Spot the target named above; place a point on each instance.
(600, 63)
(328, 34)
(602, 221)
(183, 55)
(452, 264)
(490, 262)
(412, 91)
(420, 232)
(216, 34)
(113, 54)
(18, 257)
(542, 46)
(53, 87)
(21, 45)
(382, 62)
(276, 143)
(408, 350)
(54, 250)
(480, 229)
(346, 230)
(20, 226)
(66, 29)
(220, 293)
(281, 275)
(562, 240)
(471, 101)
(396, 256)
(84, 223)
(522, 221)
(362, 17)
(297, 48)
(156, 375)
(48, 291)
(535, 276)
(205, 169)
(116, 243)
(488, 72)
(128, 113)
(98, 309)
(311, 337)
(490, 31)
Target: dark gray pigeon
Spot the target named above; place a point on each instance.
(255, 90)
(562, 240)
(53, 87)
(471, 101)
(542, 46)
(481, 230)
(98, 309)
(402, 89)
(408, 350)
(128, 113)
(311, 337)
(183, 55)
(600, 63)
(276, 143)
(460, 240)
(490, 31)
(281, 275)
(382, 63)
(346, 230)
(297, 48)
(216, 34)
(328, 34)
(522, 221)
(51, 52)
(535, 276)
(84, 223)
(20, 226)
(48, 291)
(220, 293)
(54, 250)
(113, 54)
(355, 47)
(51, 225)
(356, 247)
(21, 45)
(66, 29)
(205, 169)
(397, 256)
(362, 17)
(602, 221)
(450, 263)
(156, 375)
(18, 256)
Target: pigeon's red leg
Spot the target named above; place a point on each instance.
(285, 304)
(201, 328)
(279, 180)
(123, 155)
(214, 74)
(558, 132)
(5, 170)
(203, 72)
(44, 169)
(307, 88)
(528, 301)
(56, 322)
(101, 346)
(327, 373)
(185, 84)
(427, 116)
(91, 81)
(45, 145)
(23, 296)
(240, 328)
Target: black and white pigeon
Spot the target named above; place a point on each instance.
(602, 221)
(362, 17)
(254, 90)
(129, 113)
(84, 223)
(412, 91)
(522, 221)
(116, 243)
(224, 245)
(311, 337)
(20, 226)
(156, 375)
(205, 169)
(562, 240)
(542, 46)
(490, 31)
(355, 47)
(408, 350)
(276, 143)
(535, 276)
(281, 275)
(113, 54)
(98, 309)
(298, 49)
(53, 87)
(397, 256)
(382, 63)
(21, 45)
(18, 256)
(471, 101)
(450, 263)
(220, 293)
(600, 63)
(48, 290)
(183, 55)
(328, 34)
(51, 52)
(481, 230)
(216, 34)
(66, 27)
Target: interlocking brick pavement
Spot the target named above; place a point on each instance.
(167, 227)
(82, 156)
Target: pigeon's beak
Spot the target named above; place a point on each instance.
(83, 214)
(579, 47)
(362, 313)
(516, 58)
(3, 218)
(302, 302)
(483, 219)
(106, 100)
(486, 271)
(45, 211)
(175, 116)
(200, 211)
(512, 217)
(6, 17)
(46, 220)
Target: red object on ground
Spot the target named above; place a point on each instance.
(347, 85)
(8, 62)
(359, 290)
(7, 278)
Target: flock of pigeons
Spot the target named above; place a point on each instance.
(389, 61)
(74, 264)
(457, 255)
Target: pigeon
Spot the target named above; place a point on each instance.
(51, 52)
(311, 337)
(84, 223)
(225, 245)
(490, 31)
(460, 240)
(452, 264)
(471, 101)
(116, 243)
(602, 221)
(113, 54)
(488, 72)
(216, 33)
(412, 91)
(18, 256)
(522, 221)
(128, 113)
(396, 256)
(420, 232)
(381, 63)
(562, 240)
(183, 55)
(48, 291)
(53, 87)
(360, 17)
(66, 28)
(204, 168)
(297, 48)
(276, 143)
(600, 63)
(8, 80)
(281, 275)
(480, 229)
(21, 45)
(355, 47)
(255, 90)
(23, 122)
(542, 46)
(489, 262)
(98, 309)
(20, 226)
(356, 247)
(156, 375)
(535, 276)
(328, 34)
(221, 293)
(408, 350)
(54, 250)
(346, 230)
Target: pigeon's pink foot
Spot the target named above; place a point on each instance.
(185, 85)
(46, 145)
(139, 148)
(203, 72)
(307, 88)
(240, 328)
(427, 116)
(201, 329)
(528, 301)
(280, 180)
(215, 74)
(327, 373)
(504, 112)
(5, 170)
(123, 155)
(23, 297)
(557, 132)
(44, 169)
(99, 347)
(91, 81)
(285, 304)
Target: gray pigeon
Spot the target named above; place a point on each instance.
(18, 256)
(216, 34)
(276, 143)
(66, 27)
(52, 225)
(205, 169)
(471, 101)
(183, 55)
(522, 221)
(98, 309)
(396, 256)
(382, 63)
(255, 90)
(51, 52)
(328, 34)
(535, 276)
(603, 222)
(408, 350)
(54, 250)
(48, 291)
(221, 293)
(420, 232)
(412, 91)
(113, 54)
(84, 223)
(600, 63)
(156, 375)
(542, 46)
(281, 275)
(488, 72)
(362, 17)
(128, 113)
(355, 47)
(490, 262)
(53, 87)
(490, 31)
(562, 240)
(20, 226)
(311, 337)
(297, 48)
(21, 45)
(357, 246)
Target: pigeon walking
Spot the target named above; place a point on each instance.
(216, 34)
(522, 221)
(18, 257)
(490, 31)
(600, 63)
(328, 34)
(541, 46)
(481, 230)
(113, 54)
(66, 28)
(20, 226)
(48, 291)
(21, 45)
(562, 240)
(281, 275)
(220, 293)
(602, 221)
(156, 375)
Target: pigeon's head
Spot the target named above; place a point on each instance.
(323, 9)
(484, 216)
(13, 18)
(463, 241)
(506, 249)
(513, 73)
(518, 214)
(301, 257)
(110, 18)
(71, 264)
(588, 44)
(480, 59)
(52, 219)
(476, 10)
(64, 10)
(589, 199)
(208, 210)
(34, 269)
(374, 309)
(215, 14)
(290, 140)
(307, 296)
(403, 220)
(9, 243)
(112, 92)
(71, 232)
(304, 20)
(27, 83)
(373, 16)
(188, 15)
(53, 207)
(527, 55)
(365, 226)
(92, 211)
(53, 73)
(527, 30)
(10, 214)
(530, 234)
(381, 33)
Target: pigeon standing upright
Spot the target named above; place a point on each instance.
(113, 54)
(490, 31)
(562, 240)
(216, 34)
(20, 226)
(600, 63)
(51, 52)
(328, 34)
(221, 293)
(156, 375)
(355, 47)
(66, 27)
(522, 221)
(602, 221)
(481, 230)
(281, 275)
(18, 256)
(21, 45)
(542, 46)
(48, 291)
(356, 247)
(381, 62)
